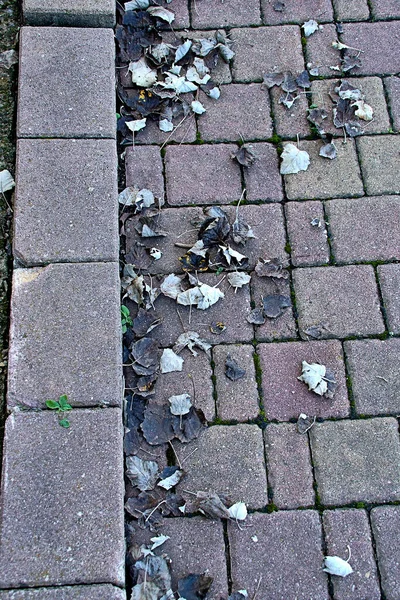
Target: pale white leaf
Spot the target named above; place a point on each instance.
(165, 125)
(137, 5)
(190, 297)
(182, 50)
(197, 107)
(238, 279)
(155, 253)
(142, 75)
(238, 511)
(6, 181)
(226, 53)
(128, 196)
(160, 51)
(198, 249)
(180, 405)
(172, 480)
(161, 13)
(159, 540)
(210, 295)
(176, 69)
(309, 27)
(313, 375)
(179, 84)
(142, 473)
(145, 591)
(193, 75)
(191, 339)
(200, 66)
(170, 361)
(294, 160)
(214, 93)
(206, 45)
(171, 286)
(364, 111)
(182, 508)
(136, 125)
(334, 565)
(145, 551)
(145, 197)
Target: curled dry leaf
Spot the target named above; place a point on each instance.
(272, 79)
(232, 369)
(171, 481)
(161, 13)
(191, 339)
(194, 587)
(309, 27)
(197, 107)
(142, 75)
(319, 379)
(288, 100)
(304, 423)
(145, 591)
(238, 511)
(271, 267)
(289, 83)
(275, 304)
(334, 565)
(171, 286)
(136, 125)
(364, 111)
(159, 541)
(294, 160)
(328, 151)
(154, 569)
(211, 505)
(245, 155)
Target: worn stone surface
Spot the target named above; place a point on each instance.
(375, 375)
(144, 169)
(231, 13)
(289, 467)
(236, 400)
(262, 179)
(365, 229)
(290, 122)
(62, 500)
(371, 88)
(297, 11)
(389, 281)
(264, 50)
(326, 178)
(66, 201)
(379, 159)
(84, 592)
(65, 335)
(350, 528)
(221, 122)
(52, 102)
(191, 181)
(180, 8)
(284, 396)
(287, 556)
(89, 13)
(230, 461)
(382, 9)
(320, 53)
(392, 85)
(367, 37)
(351, 10)
(344, 299)
(184, 132)
(308, 243)
(385, 522)
(356, 461)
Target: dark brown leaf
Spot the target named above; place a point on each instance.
(274, 305)
(245, 155)
(256, 317)
(211, 505)
(289, 82)
(145, 321)
(232, 369)
(157, 426)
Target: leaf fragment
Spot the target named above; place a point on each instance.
(159, 540)
(304, 423)
(6, 181)
(194, 587)
(309, 27)
(238, 279)
(171, 481)
(272, 79)
(232, 369)
(238, 511)
(161, 13)
(191, 339)
(197, 107)
(211, 505)
(328, 151)
(142, 75)
(274, 305)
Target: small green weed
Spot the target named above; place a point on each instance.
(126, 320)
(62, 407)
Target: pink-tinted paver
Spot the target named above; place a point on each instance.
(284, 551)
(290, 122)
(192, 180)
(76, 592)
(308, 237)
(382, 9)
(144, 169)
(262, 179)
(379, 161)
(385, 522)
(230, 13)
(184, 132)
(284, 396)
(290, 476)
(88, 13)
(351, 10)
(296, 11)
(392, 85)
(368, 37)
(365, 229)
(320, 53)
(180, 8)
(389, 281)
(343, 299)
(350, 528)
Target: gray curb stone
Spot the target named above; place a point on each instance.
(66, 207)
(54, 63)
(79, 592)
(65, 335)
(385, 522)
(62, 518)
(79, 13)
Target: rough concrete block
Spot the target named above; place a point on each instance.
(308, 241)
(379, 162)
(386, 527)
(78, 13)
(232, 13)
(297, 11)
(389, 280)
(78, 592)
(367, 37)
(144, 169)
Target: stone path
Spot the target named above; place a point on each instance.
(339, 485)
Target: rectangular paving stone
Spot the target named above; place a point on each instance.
(62, 500)
(326, 178)
(290, 122)
(229, 461)
(389, 281)
(320, 52)
(284, 396)
(66, 207)
(351, 10)
(184, 132)
(297, 11)
(286, 556)
(392, 85)
(190, 180)
(221, 123)
(282, 327)
(236, 400)
(344, 300)
(52, 100)
(289, 466)
(356, 461)
(379, 161)
(372, 89)
(65, 335)
(365, 229)
(231, 13)
(382, 9)
(77, 592)
(144, 169)
(180, 8)
(350, 528)
(385, 522)
(308, 243)
(368, 37)
(263, 180)
(89, 13)
(264, 50)
(375, 375)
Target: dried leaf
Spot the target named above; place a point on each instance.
(328, 151)
(271, 267)
(190, 297)
(304, 423)
(210, 296)
(245, 155)
(289, 84)
(334, 565)
(347, 91)
(197, 107)
(191, 339)
(142, 473)
(350, 62)
(232, 369)
(319, 379)
(238, 511)
(364, 111)
(142, 75)
(171, 481)
(159, 540)
(272, 79)
(161, 13)
(145, 591)
(294, 160)
(303, 80)
(171, 286)
(180, 405)
(165, 125)
(144, 322)
(6, 181)
(170, 361)
(238, 279)
(188, 427)
(136, 5)
(211, 505)
(241, 231)
(217, 327)
(157, 425)
(136, 125)
(274, 305)
(194, 587)
(155, 253)
(287, 100)
(133, 285)
(214, 230)
(226, 53)
(309, 27)
(182, 50)
(256, 316)
(155, 570)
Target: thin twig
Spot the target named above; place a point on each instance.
(257, 588)
(174, 451)
(190, 454)
(181, 320)
(154, 510)
(380, 377)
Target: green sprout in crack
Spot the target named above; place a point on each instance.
(126, 320)
(62, 407)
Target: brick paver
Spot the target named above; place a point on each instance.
(389, 281)
(52, 102)
(378, 159)
(289, 468)
(89, 13)
(66, 201)
(374, 370)
(392, 85)
(230, 13)
(65, 335)
(262, 179)
(64, 487)
(78, 592)
(320, 53)
(184, 132)
(144, 169)
(286, 556)
(356, 461)
(284, 396)
(386, 526)
(180, 9)
(351, 10)
(220, 465)
(368, 37)
(297, 11)
(382, 9)
(307, 233)
(365, 229)
(344, 298)
(290, 122)
(350, 528)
